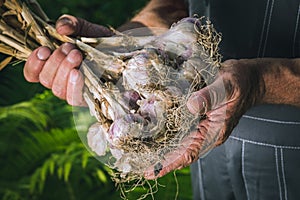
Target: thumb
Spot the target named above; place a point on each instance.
(208, 98)
(70, 25)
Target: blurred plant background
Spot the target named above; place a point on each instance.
(42, 156)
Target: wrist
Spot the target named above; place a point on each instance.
(158, 14)
(244, 81)
(281, 79)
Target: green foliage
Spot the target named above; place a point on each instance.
(175, 185)
(39, 153)
(42, 155)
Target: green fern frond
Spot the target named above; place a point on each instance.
(61, 162)
(11, 195)
(42, 112)
(25, 110)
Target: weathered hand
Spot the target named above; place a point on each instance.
(238, 86)
(58, 70)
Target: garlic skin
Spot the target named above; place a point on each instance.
(96, 139)
(139, 71)
(123, 164)
(131, 97)
(152, 108)
(128, 125)
(116, 153)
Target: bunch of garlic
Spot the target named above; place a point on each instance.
(139, 92)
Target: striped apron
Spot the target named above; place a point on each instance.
(261, 158)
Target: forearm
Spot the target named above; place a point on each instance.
(158, 13)
(281, 81)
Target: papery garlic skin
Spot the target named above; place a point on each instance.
(97, 139)
(128, 125)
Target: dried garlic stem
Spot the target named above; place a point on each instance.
(103, 92)
(40, 36)
(52, 31)
(119, 41)
(13, 5)
(12, 52)
(109, 66)
(18, 46)
(7, 30)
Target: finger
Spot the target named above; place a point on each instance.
(66, 25)
(50, 67)
(74, 89)
(178, 158)
(163, 168)
(208, 98)
(70, 25)
(35, 63)
(59, 86)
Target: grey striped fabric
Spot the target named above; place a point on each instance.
(256, 28)
(261, 159)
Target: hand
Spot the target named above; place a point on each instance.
(238, 86)
(58, 70)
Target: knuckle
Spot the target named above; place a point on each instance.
(191, 155)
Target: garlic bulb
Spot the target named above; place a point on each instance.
(97, 139)
(142, 90)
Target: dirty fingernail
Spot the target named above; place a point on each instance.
(64, 21)
(157, 168)
(66, 48)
